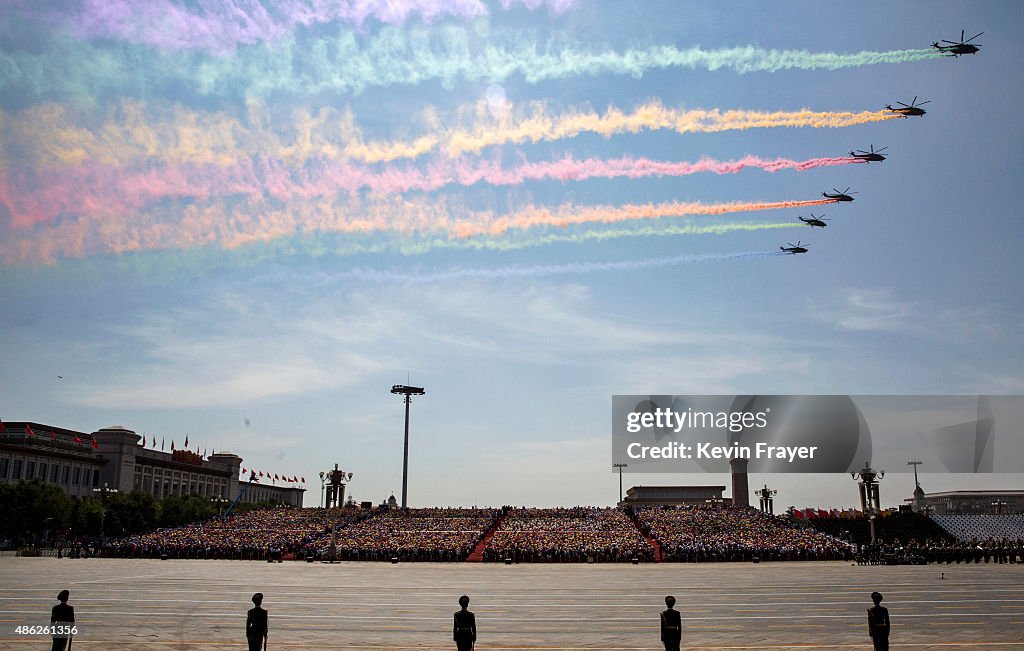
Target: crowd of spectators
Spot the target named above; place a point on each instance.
(726, 533)
(284, 532)
(577, 534)
(433, 534)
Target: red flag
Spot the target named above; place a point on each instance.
(95, 445)
(275, 476)
(303, 480)
(162, 441)
(172, 445)
(28, 430)
(186, 440)
(295, 479)
(53, 435)
(261, 473)
(77, 440)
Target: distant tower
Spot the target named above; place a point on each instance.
(740, 486)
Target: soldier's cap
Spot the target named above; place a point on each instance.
(670, 601)
(63, 595)
(876, 597)
(257, 598)
(463, 601)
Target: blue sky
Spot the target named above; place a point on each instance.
(913, 288)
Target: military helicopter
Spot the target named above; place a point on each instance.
(814, 221)
(868, 156)
(839, 196)
(793, 249)
(956, 48)
(906, 110)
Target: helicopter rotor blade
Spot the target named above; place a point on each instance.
(974, 37)
(924, 102)
(847, 190)
(951, 42)
(902, 104)
(962, 35)
(881, 150)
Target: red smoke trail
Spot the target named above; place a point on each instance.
(91, 189)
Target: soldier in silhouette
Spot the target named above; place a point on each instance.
(878, 623)
(62, 615)
(464, 628)
(256, 624)
(671, 625)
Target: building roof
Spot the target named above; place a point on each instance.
(986, 493)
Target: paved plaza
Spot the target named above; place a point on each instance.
(192, 605)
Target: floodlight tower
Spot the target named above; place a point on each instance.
(918, 499)
(408, 392)
(620, 466)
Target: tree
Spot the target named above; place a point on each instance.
(30, 508)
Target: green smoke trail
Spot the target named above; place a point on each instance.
(171, 265)
(338, 61)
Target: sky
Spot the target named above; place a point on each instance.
(245, 221)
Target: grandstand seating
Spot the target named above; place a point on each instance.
(890, 528)
(967, 528)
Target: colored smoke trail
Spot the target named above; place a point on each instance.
(56, 135)
(92, 189)
(257, 220)
(533, 271)
(220, 26)
(341, 61)
(648, 117)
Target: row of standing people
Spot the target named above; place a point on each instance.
(257, 624)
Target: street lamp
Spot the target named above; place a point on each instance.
(1000, 505)
(322, 488)
(218, 503)
(408, 392)
(103, 492)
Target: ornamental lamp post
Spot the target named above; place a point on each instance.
(870, 500)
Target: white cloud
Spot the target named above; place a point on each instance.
(866, 309)
(879, 309)
(232, 349)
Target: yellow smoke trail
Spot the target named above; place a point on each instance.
(231, 225)
(133, 131)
